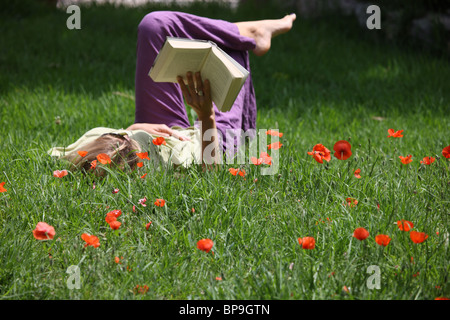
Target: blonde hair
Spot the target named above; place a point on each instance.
(121, 150)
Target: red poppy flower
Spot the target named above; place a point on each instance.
(446, 152)
(93, 164)
(418, 237)
(442, 298)
(205, 244)
(256, 161)
(343, 150)
(237, 172)
(103, 158)
(266, 158)
(320, 153)
(143, 176)
(219, 278)
(44, 231)
(141, 290)
(357, 173)
(428, 160)
(143, 155)
(110, 219)
(160, 202)
(307, 242)
(406, 160)
(159, 141)
(82, 153)
(115, 191)
(148, 225)
(60, 174)
(140, 164)
(274, 146)
(395, 134)
(405, 225)
(274, 133)
(2, 189)
(360, 234)
(117, 260)
(382, 240)
(263, 158)
(351, 202)
(115, 213)
(90, 240)
(115, 225)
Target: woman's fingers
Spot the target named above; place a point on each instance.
(165, 131)
(183, 87)
(191, 86)
(172, 134)
(180, 137)
(207, 89)
(199, 84)
(197, 96)
(192, 89)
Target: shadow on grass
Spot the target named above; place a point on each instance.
(329, 61)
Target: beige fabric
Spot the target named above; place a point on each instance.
(175, 151)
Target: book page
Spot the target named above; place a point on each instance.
(219, 77)
(233, 66)
(180, 61)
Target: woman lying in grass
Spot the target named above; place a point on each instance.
(160, 110)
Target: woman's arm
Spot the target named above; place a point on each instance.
(198, 97)
(157, 129)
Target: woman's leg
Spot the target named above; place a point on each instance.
(262, 31)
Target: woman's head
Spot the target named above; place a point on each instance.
(121, 149)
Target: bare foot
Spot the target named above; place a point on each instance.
(264, 30)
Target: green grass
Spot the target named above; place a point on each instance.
(322, 82)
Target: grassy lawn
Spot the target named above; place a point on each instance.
(324, 81)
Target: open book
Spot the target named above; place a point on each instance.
(179, 55)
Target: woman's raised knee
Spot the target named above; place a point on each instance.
(155, 22)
